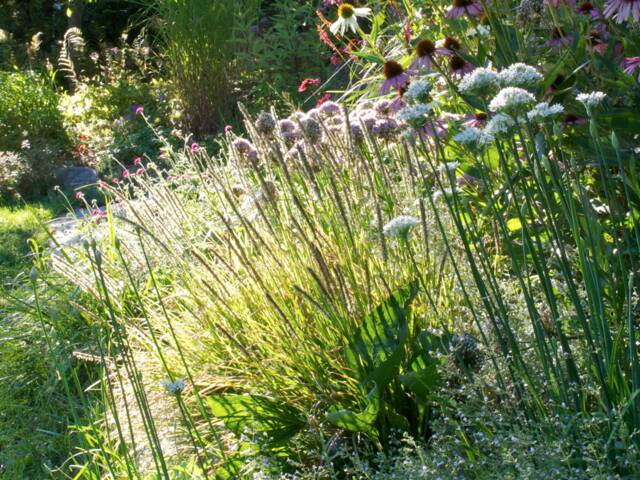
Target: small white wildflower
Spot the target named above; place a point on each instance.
(519, 75)
(400, 226)
(480, 81)
(448, 166)
(413, 113)
(591, 99)
(511, 100)
(499, 124)
(473, 137)
(174, 387)
(418, 90)
(543, 111)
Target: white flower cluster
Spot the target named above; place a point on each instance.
(511, 100)
(400, 226)
(448, 167)
(499, 123)
(414, 113)
(473, 137)
(174, 387)
(480, 81)
(419, 90)
(543, 111)
(591, 99)
(519, 75)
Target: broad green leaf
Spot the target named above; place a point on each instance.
(377, 350)
(359, 422)
(422, 382)
(276, 421)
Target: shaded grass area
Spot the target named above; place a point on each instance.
(34, 410)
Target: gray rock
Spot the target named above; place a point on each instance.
(73, 178)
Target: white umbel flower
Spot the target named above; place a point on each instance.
(419, 90)
(480, 81)
(544, 111)
(348, 18)
(591, 99)
(473, 137)
(400, 226)
(499, 124)
(511, 100)
(519, 75)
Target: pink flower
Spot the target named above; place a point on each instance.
(126, 173)
(587, 8)
(448, 46)
(137, 109)
(228, 129)
(194, 147)
(137, 161)
(323, 99)
(621, 10)
(459, 67)
(630, 65)
(139, 171)
(79, 195)
(115, 180)
(558, 38)
(306, 83)
(462, 7)
(477, 120)
(170, 178)
(425, 49)
(395, 77)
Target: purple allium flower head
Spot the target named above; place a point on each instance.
(621, 10)
(472, 8)
(330, 108)
(395, 77)
(137, 109)
(384, 128)
(382, 106)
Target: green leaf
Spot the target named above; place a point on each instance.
(359, 422)
(514, 224)
(422, 382)
(276, 421)
(377, 350)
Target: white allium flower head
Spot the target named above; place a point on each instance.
(543, 111)
(511, 100)
(412, 113)
(448, 166)
(400, 226)
(480, 81)
(499, 124)
(591, 99)
(473, 137)
(174, 387)
(418, 90)
(519, 75)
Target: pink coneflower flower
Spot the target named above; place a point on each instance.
(462, 7)
(306, 83)
(139, 171)
(137, 161)
(432, 129)
(448, 46)
(630, 65)
(621, 10)
(587, 8)
(395, 77)
(477, 120)
(459, 67)
(425, 49)
(126, 173)
(558, 38)
(194, 147)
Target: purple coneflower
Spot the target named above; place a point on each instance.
(432, 129)
(461, 7)
(630, 65)
(448, 46)
(395, 77)
(587, 8)
(459, 67)
(425, 49)
(558, 38)
(477, 120)
(621, 10)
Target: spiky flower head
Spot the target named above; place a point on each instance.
(499, 124)
(519, 75)
(419, 90)
(591, 100)
(511, 100)
(401, 226)
(479, 82)
(543, 111)
(473, 138)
